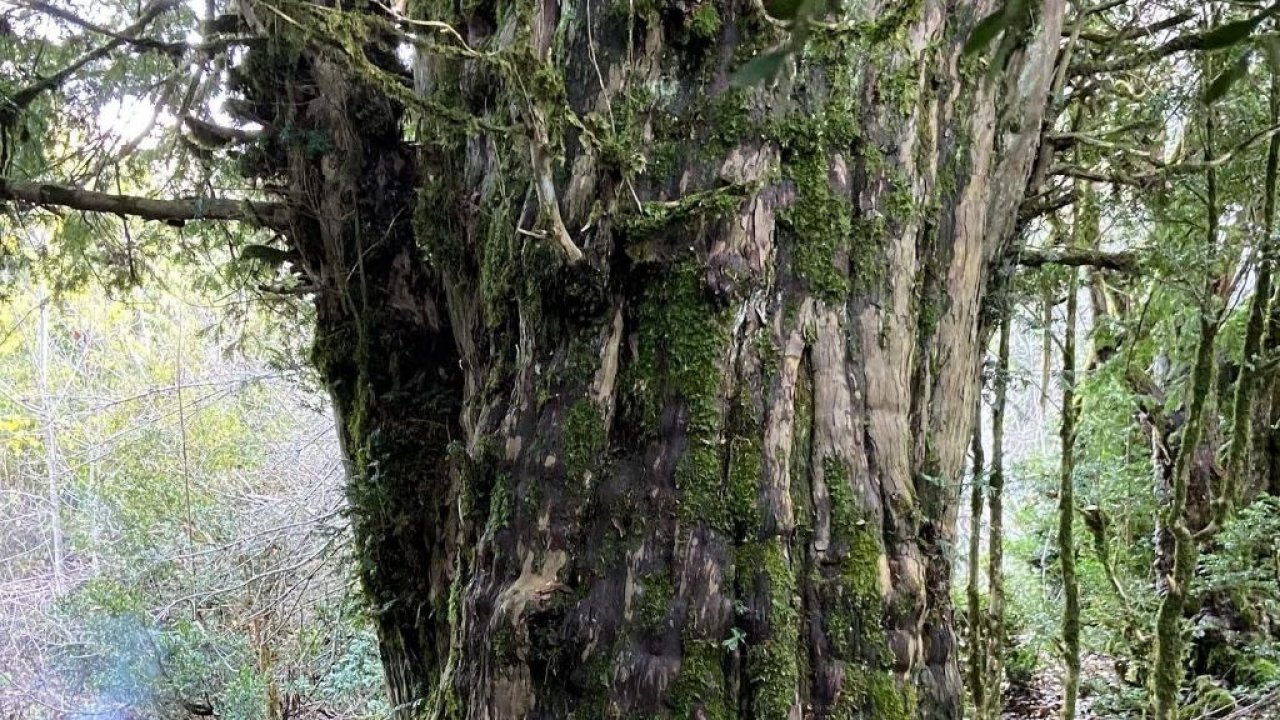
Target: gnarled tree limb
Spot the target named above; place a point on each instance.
(174, 212)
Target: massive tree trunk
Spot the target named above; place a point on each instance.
(657, 395)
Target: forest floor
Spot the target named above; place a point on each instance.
(1042, 697)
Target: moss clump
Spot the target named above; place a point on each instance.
(802, 449)
(654, 602)
(874, 693)
(819, 224)
(745, 473)
(1211, 700)
(702, 492)
(498, 261)
(502, 504)
(855, 622)
(441, 245)
(583, 438)
(682, 341)
(728, 118)
(768, 351)
(704, 22)
(654, 217)
(698, 690)
(773, 665)
(887, 700)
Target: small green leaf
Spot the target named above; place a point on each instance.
(759, 69)
(1227, 78)
(736, 638)
(1232, 32)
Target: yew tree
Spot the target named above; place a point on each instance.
(652, 327)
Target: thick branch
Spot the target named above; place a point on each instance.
(174, 212)
(1071, 139)
(1114, 178)
(1120, 261)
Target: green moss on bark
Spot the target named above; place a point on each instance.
(745, 474)
(854, 619)
(704, 22)
(818, 227)
(773, 660)
(583, 438)
(699, 689)
(653, 602)
(683, 339)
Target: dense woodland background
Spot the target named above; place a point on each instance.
(186, 532)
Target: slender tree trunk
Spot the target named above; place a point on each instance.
(1174, 582)
(976, 619)
(1066, 488)
(650, 406)
(996, 634)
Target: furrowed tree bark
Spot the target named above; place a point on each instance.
(383, 339)
(709, 468)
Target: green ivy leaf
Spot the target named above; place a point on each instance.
(1223, 82)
